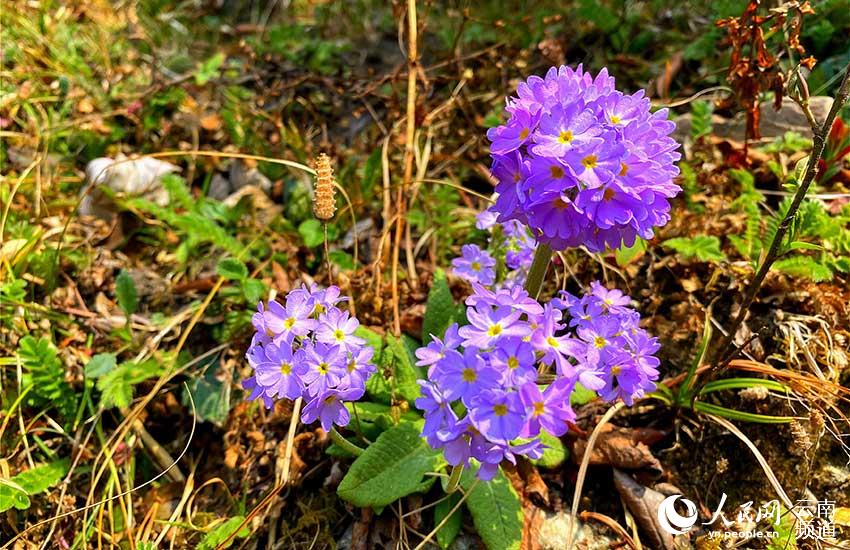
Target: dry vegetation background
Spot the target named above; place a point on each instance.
(123, 329)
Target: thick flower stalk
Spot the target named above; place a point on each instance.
(496, 384)
(307, 348)
(583, 164)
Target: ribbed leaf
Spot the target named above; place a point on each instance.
(448, 532)
(440, 310)
(496, 511)
(390, 468)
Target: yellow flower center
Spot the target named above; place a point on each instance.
(318, 308)
(500, 410)
(469, 375)
(351, 366)
(339, 335)
(590, 161)
(552, 342)
(330, 399)
(539, 408)
(608, 194)
(557, 172)
(616, 370)
(495, 330)
(289, 323)
(286, 369)
(624, 168)
(513, 363)
(600, 342)
(323, 368)
(476, 266)
(565, 137)
(615, 119)
(524, 133)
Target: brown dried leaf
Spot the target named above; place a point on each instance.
(621, 448)
(643, 503)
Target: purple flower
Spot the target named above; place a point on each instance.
(498, 415)
(329, 407)
(326, 365)
(488, 325)
(475, 265)
(549, 409)
(257, 391)
(463, 376)
(337, 328)
(293, 320)
(359, 367)
(516, 298)
(279, 370)
(598, 168)
(437, 348)
(515, 359)
(438, 412)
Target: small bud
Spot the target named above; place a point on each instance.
(324, 204)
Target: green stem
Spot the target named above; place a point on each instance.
(534, 282)
(344, 443)
(454, 479)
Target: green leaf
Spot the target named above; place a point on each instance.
(99, 365)
(253, 290)
(312, 232)
(14, 492)
(496, 511)
(440, 309)
(211, 397)
(702, 247)
(12, 497)
(448, 532)
(371, 172)
(701, 124)
(743, 416)
(390, 468)
(46, 373)
(804, 266)
(232, 269)
(214, 538)
(581, 395)
(555, 452)
(41, 478)
(627, 254)
(125, 291)
(405, 372)
(116, 386)
(209, 69)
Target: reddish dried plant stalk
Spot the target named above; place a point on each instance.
(324, 203)
(753, 69)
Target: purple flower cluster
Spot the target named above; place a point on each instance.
(583, 164)
(510, 239)
(494, 385)
(307, 348)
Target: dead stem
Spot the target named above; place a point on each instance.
(721, 356)
(401, 195)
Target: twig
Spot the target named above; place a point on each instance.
(401, 196)
(582, 471)
(818, 146)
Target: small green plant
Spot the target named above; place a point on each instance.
(817, 245)
(198, 222)
(702, 247)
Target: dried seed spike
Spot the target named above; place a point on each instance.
(324, 204)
